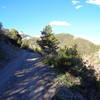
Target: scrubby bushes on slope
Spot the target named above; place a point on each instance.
(67, 59)
(15, 37)
(10, 41)
(74, 76)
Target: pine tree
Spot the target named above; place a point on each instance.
(48, 42)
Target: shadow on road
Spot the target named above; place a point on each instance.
(33, 81)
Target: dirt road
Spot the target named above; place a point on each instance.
(27, 78)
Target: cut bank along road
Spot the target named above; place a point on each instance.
(27, 78)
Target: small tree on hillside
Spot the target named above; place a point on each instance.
(0, 25)
(15, 36)
(1, 28)
(48, 42)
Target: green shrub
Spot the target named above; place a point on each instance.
(51, 60)
(15, 37)
(38, 50)
(67, 60)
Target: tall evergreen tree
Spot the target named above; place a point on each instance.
(48, 42)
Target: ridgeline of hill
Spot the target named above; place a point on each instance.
(84, 46)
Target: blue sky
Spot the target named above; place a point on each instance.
(78, 17)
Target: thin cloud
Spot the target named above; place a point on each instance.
(79, 6)
(59, 23)
(74, 2)
(95, 2)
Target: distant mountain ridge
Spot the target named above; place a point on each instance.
(66, 39)
(84, 46)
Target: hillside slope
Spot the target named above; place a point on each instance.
(8, 48)
(84, 46)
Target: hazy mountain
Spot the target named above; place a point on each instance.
(84, 46)
(24, 36)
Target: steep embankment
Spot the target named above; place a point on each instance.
(7, 52)
(8, 48)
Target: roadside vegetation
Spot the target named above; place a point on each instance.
(73, 74)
